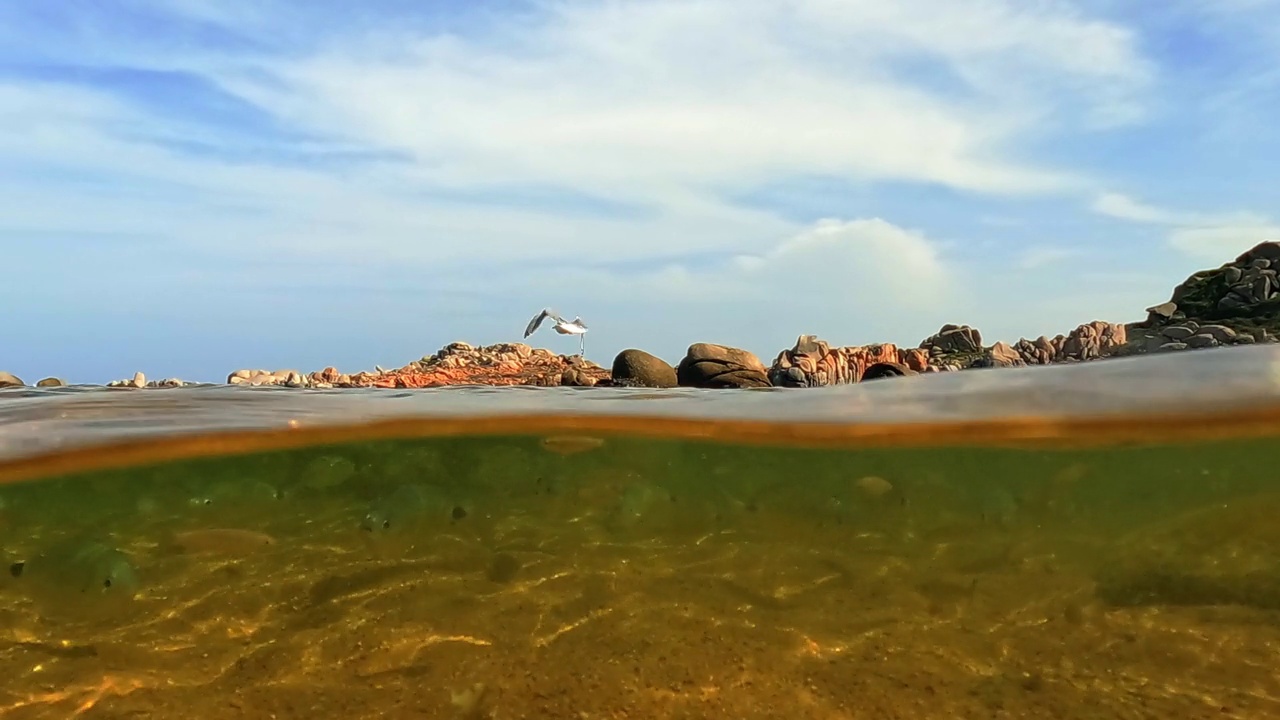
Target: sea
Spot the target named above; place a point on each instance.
(1089, 541)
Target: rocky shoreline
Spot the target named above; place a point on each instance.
(1235, 304)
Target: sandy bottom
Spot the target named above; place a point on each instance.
(550, 610)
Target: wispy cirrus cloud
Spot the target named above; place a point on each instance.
(1203, 236)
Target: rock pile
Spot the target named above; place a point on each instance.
(814, 363)
(1091, 341)
(958, 347)
(287, 378)
(462, 364)
(952, 340)
(1190, 334)
(1243, 288)
(140, 381)
(1237, 303)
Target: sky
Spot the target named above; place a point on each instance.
(195, 186)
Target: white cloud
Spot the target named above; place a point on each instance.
(1126, 208)
(850, 281)
(866, 258)
(667, 98)
(1222, 243)
(670, 106)
(1035, 258)
(1201, 236)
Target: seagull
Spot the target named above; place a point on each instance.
(562, 326)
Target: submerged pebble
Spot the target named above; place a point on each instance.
(78, 576)
(410, 507)
(503, 568)
(638, 502)
(874, 486)
(328, 471)
(224, 541)
(571, 444)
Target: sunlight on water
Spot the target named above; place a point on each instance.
(549, 572)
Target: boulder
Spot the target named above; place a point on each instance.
(138, 380)
(887, 369)
(1092, 340)
(637, 368)
(1040, 351)
(1178, 332)
(1002, 355)
(706, 365)
(1161, 313)
(10, 380)
(953, 339)
(1201, 340)
(51, 382)
(577, 377)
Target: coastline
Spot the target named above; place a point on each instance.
(1237, 303)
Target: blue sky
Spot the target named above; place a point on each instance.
(196, 186)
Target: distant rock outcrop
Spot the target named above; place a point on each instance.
(457, 363)
(814, 363)
(502, 364)
(1235, 304)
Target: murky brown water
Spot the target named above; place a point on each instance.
(1090, 542)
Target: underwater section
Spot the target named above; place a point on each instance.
(569, 575)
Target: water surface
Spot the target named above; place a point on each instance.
(1093, 541)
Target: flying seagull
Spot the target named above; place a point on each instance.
(562, 326)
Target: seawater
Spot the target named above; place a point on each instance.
(1095, 541)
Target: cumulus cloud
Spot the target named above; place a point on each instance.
(861, 280)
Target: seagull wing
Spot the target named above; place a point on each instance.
(536, 321)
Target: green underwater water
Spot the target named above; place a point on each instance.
(511, 576)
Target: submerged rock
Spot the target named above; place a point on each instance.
(410, 508)
(1223, 554)
(78, 577)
